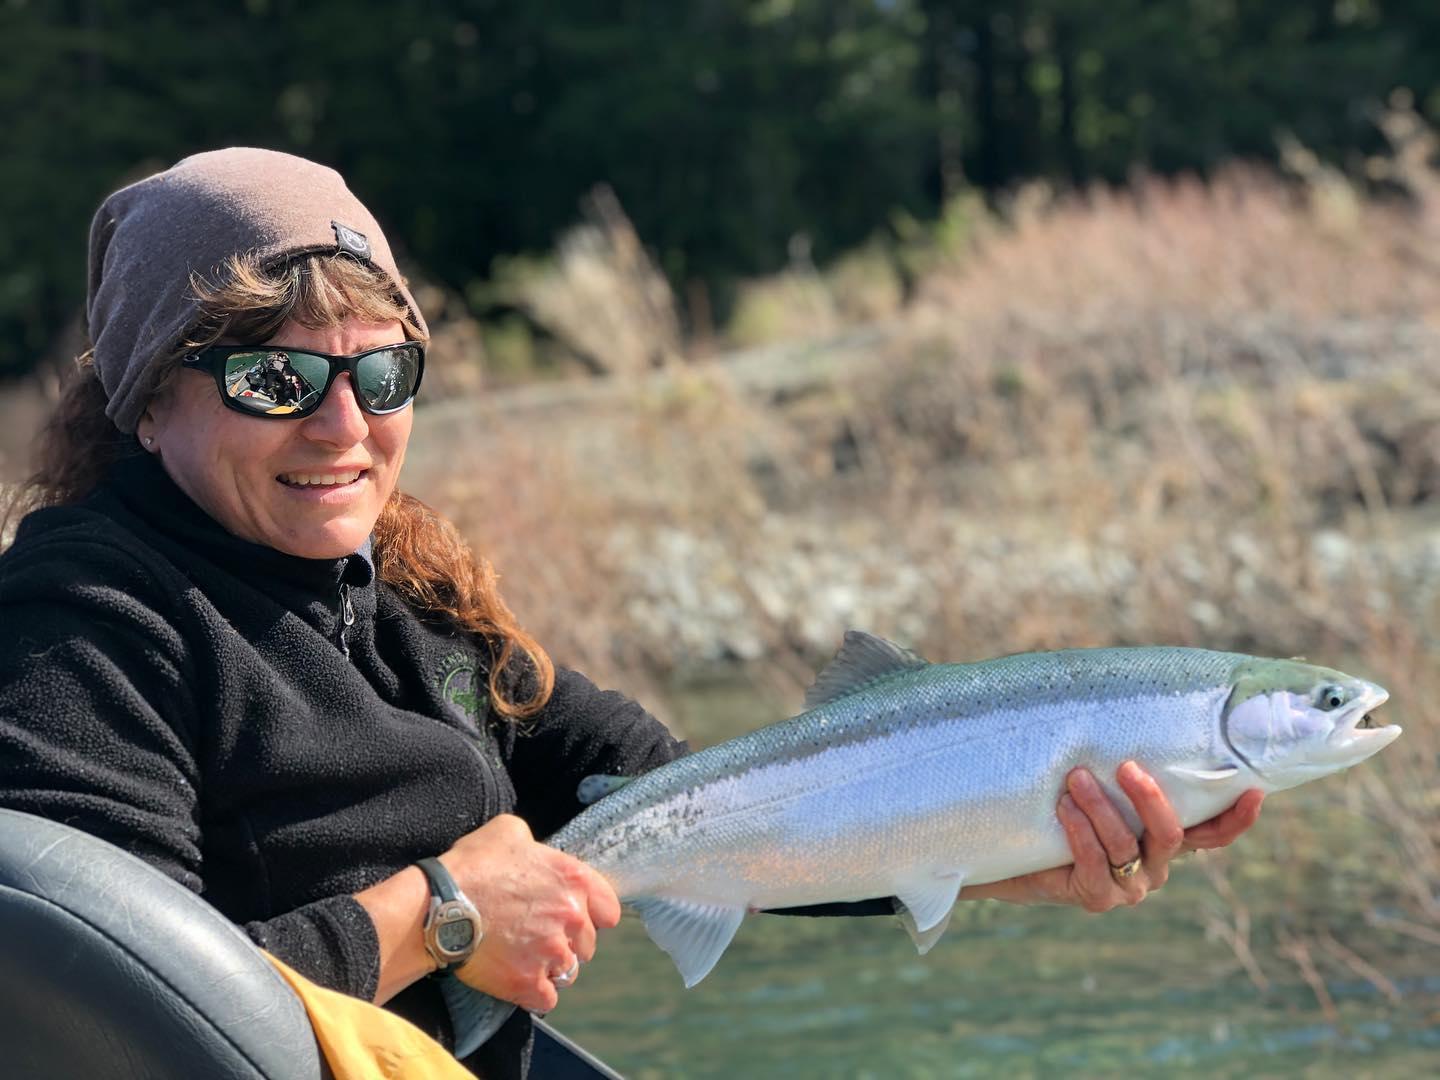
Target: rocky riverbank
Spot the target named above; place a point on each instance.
(1224, 484)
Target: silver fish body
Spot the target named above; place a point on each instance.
(956, 769)
(909, 780)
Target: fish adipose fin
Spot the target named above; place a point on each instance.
(1219, 772)
(695, 935)
(862, 659)
(926, 903)
(594, 788)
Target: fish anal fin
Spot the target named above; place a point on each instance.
(1202, 774)
(924, 939)
(695, 934)
(594, 788)
(928, 901)
(862, 659)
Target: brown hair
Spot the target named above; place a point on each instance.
(417, 551)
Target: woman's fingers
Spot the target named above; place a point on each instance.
(542, 909)
(1225, 827)
(1094, 887)
(1116, 837)
(603, 903)
(1163, 834)
(542, 998)
(582, 941)
(597, 907)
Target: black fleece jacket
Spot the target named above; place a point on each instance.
(275, 733)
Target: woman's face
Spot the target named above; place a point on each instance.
(246, 471)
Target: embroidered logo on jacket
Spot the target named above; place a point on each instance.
(461, 688)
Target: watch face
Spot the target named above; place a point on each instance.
(455, 937)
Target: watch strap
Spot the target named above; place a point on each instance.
(442, 885)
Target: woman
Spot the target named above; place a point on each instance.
(237, 651)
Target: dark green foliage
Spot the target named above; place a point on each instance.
(727, 127)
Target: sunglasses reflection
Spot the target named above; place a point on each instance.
(390, 385)
(271, 384)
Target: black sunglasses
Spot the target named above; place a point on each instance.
(290, 384)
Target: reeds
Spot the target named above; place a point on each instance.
(1194, 412)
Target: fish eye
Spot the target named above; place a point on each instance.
(1331, 697)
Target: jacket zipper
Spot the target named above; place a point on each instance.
(347, 620)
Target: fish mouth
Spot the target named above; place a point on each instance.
(1356, 729)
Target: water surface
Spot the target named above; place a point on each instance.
(1022, 992)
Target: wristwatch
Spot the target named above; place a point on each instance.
(452, 925)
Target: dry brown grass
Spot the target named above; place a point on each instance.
(1191, 413)
(1200, 413)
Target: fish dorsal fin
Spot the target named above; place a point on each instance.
(594, 788)
(693, 933)
(862, 659)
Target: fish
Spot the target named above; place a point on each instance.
(910, 780)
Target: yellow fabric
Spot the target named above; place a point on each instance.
(361, 1041)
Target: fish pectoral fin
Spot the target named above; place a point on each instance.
(924, 939)
(862, 659)
(928, 901)
(594, 788)
(1203, 775)
(694, 934)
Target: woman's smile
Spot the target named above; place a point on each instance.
(312, 487)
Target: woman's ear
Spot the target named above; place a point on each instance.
(147, 428)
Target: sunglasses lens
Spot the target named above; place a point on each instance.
(387, 379)
(274, 382)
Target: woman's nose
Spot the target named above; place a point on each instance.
(339, 421)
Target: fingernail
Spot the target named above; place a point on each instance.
(1080, 781)
(1067, 804)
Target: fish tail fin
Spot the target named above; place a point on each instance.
(694, 934)
(474, 1016)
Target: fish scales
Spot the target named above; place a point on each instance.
(901, 767)
(908, 780)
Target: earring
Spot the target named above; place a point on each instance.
(149, 440)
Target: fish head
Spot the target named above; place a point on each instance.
(1292, 722)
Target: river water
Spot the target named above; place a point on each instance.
(1019, 992)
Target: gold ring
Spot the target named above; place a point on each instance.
(1126, 871)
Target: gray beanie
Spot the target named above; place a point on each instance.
(148, 238)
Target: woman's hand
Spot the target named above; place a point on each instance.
(1100, 840)
(541, 909)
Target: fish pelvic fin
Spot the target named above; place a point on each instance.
(927, 902)
(862, 659)
(594, 788)
(924, 939)
(694, 934)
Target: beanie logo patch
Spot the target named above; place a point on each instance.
(351, 241)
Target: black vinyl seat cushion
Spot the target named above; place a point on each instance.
(110, 969)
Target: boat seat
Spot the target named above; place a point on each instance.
(110, 969)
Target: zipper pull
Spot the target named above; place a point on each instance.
(347, 618)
